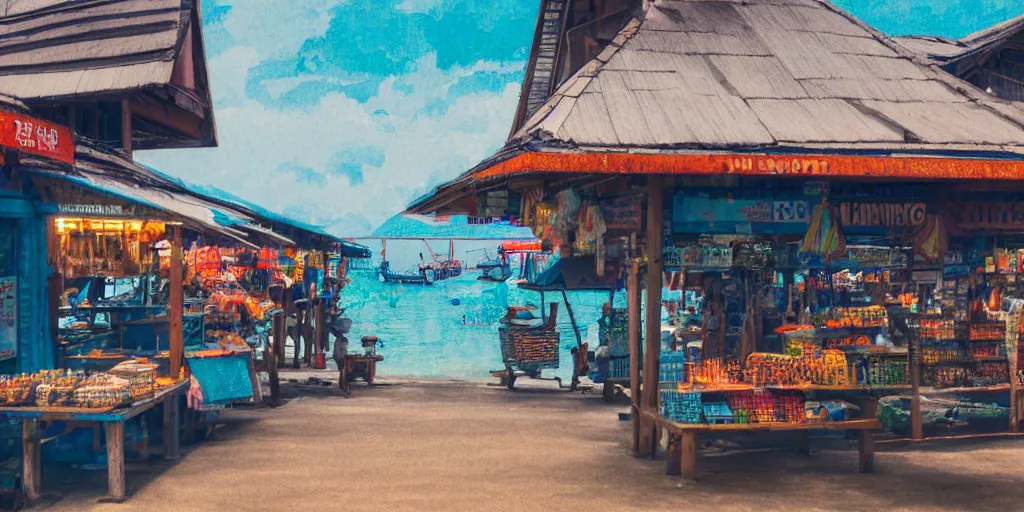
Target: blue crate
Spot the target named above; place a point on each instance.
(718, 413)
(681, 407)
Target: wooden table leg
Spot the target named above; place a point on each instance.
(688, 456)
(115, 462)
(172, 440)
(866, 438)
(189, 419)
(675, 455)
(31, 451)
(803, 442)
(371, 371)
(144, 445)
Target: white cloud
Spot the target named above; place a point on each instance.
(277, 29)
(255, 140)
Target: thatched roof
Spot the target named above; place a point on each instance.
(51, 49)
(765, 73)
(748, 77)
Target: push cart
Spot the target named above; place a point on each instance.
(526, 350)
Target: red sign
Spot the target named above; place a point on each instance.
(36, 137)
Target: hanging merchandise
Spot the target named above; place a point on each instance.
(566, 215)
(268, 259)
(824, 237)
(932, 240)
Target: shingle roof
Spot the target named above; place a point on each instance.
(945, 51)
(758, 74)
(58, 49)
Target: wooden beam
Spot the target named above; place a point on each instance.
(126, 125)
(168, 115)
(633, 325)
(177, 302)
(652, 327)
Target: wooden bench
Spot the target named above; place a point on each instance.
(682, 450)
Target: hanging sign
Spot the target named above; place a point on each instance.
(987, 215)
(623, 213)
(99, 210)
(889, 215)
(36, 137)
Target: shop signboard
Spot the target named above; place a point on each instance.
(8, 318)
(623, 213)
(720, 215)
(887, 215)
(36, 137)
(994, 215)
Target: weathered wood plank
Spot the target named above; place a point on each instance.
(117, 488)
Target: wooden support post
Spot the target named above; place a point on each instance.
(280, 328)
(916, 422)
(652, 327)
(866, 438)
(126, 125)
(172, 433)
(280, 344)
(633, 314)
(189, 420)
(320, 334)
(177, 302)
(675, 455)
(31, 453)
(307, 332)
(143, 454)
(117, 490)
(579, 344)
(688, 456)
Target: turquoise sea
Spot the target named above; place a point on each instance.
(450, 329)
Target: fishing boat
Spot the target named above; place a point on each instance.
(497, 269)
(428, 273)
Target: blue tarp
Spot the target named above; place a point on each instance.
(223, 379)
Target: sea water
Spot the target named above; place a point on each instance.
(450, 330)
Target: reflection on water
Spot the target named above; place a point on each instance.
(450, 330)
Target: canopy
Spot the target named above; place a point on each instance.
(573, 274)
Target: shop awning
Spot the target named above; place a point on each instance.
(354, 250)
(204, 216)
(573, 274)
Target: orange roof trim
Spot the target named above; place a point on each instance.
(908, 167)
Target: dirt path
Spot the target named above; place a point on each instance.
(466, 447)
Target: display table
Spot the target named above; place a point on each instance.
(113, 423)
(682, 458)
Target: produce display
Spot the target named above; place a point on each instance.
(126, 383)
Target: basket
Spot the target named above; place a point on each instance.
(141, 378)
(537, 347)
(103, 391)
(756, 406)
(49, 395)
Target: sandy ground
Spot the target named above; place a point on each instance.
(466, 447)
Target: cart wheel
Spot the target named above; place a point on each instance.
(608, 391)
(510, 379)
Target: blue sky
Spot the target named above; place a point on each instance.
(340, 112)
